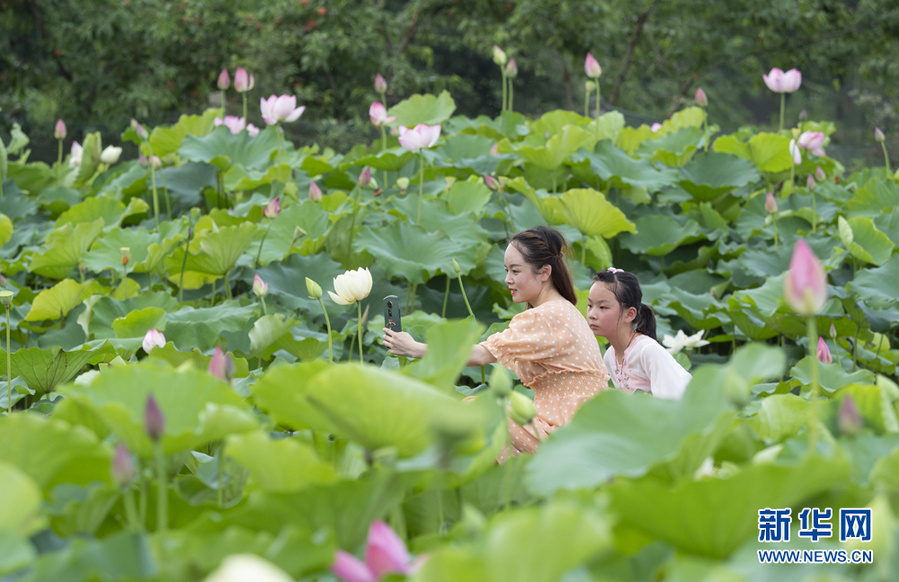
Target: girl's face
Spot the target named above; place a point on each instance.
(521, 279)
(604, 313)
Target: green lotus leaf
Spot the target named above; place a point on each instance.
(17, 205)
(780, 417)
(45, 369)
(16, 551)
(608, 126)
(64, 248)
(51, 451)
(409, 251)
(279, 466)
(862, 239)
(212, 253)
(106, 251)
(237, 178)
(449, 347)
(6, 229)
(701, 311)
(316, 165)
(875, 197)
(554, 121)
(831, 377)
(267, 330)
(200, 328)
(169, 236)
(674, 149)
(711, 174)
(873, 404)
(465, 147)
(20, 502)
(198, 408)
(436, 217)
(468, 197)
(186, 183)
(630, 138)
(123, 555)
(165, 140)
(889, 224)
(287, 279)
(877, 286)
(658, 235)
(353, 401)
(392, 161)
(558, 147)
(723, 511)
(131, 181)
(110, 210)
(101, 311)
(56, 302)
(223, 149)
(137, 323)
(90, 158)
(310, 217)
(588, 211)
(689, 117)
(426, 109)
(620, 170)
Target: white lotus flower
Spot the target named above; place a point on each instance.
(110, 155)
(246, 568)
(153, 339)
(681, 341)
(351, 287)
(75, 157)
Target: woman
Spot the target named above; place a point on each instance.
(549, 345)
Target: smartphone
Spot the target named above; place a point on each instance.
(392, 315)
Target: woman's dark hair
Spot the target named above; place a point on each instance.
(626, 289)
(542, 246)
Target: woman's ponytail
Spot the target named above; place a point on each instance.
(646, 323)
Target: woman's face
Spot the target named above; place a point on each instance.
(521, 279)
(603, 311)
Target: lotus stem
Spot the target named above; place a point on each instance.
(596, 115)
(774, 220)
(511, 93)
(421, 182)
(812, 326)
(359, 328)
(183, 266)
(814, 213)
(836, 351)
(162, 491)
(262, 242)
(221, 470)
(155, 197)
(349, 249)
(227, 284)
(168, 206)
(783, 98)
(130, 509)
(328, 325)
(886, 158)
(264, 310)
(471, 314)
(503, 107)
(59, 160)
(213, 292)
(383, 149)
(245, 120)
(445, 296)
(8, 368)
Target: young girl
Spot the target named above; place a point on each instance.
(635, 359)
(549, 345)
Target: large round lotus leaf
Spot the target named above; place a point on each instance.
(137, 323)
(64, 249)
(554, 121)
(315, 223)
(200, 328)
(20, 501)
(109, 209)
(279, 466)
(392, 161)
(58, 301)
(631, 137)
(831, 377)
(616, 167)
(780, 417)
(711, 174)
(889, 224)
(877, 287)
(16, 205)
(557, 148)
(873, 198)
(198, 408)
(464, 197)
(371, 407)
(588, 211)
(165, 140)
(409, 251)
(185, 184)
(97, 319)
(43, 369)
(465, 146)
(223, 149)
(436, 217)
(862, 239)
(674, 149)
(449, 347)
(106, 251)
(51, 451)
(213, 253)
(770, 152)
(426, 109)
(287, 279)
(658, 234)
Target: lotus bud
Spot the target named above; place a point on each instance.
(110, 155)
(823, 352)
(500, 382)
(315, 193)
(153, 339)
(126, 255)
(491, 182)
(373, 185)
(770, 203)
(589, 86)
(878, 135)
(2, 281)
(521, 409)
(591, 67)
(810, 182)
(849, 420)
(314, 289)
(123, 470)
(155, 162)
(224, 80)
(494, 149)
(803, 115)
(364, 178)
(701, 99)
(142, 159)
(273, 208)
(297, 233)
(833, 331)
(60, 132)
(154, 421)
(241, 80)
(6, 298)
(380, 84)
(499, 57)
(511, 69)
(260, 287)
(805, 287)
(655, 127)
(820, 176)
(140, 130)
(402, 184)
(221, 365)
(456, 267)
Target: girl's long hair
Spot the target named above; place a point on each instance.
(546, 246)
(626, 289)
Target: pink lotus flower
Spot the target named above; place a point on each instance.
(154, 421)
(591, 67)
(812, 141)
(770, 203)
(260, 287)
(378, 115)
(243, 81)
(795, 152)
(380, 84)
(273, 208)
(153, 339)
(655, 127)
(221, 365)
(315, 193)
(878, 135)
(823, 352)
(781, 82)
(60, 131)
(701, 99)
(232, 122)
(423, 136)
(252, 130)
(385, 553)
(283, 108)
(224, 80)
(805, 287)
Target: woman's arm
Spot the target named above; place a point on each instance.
(402, 344)
(480, 356)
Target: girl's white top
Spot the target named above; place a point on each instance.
(647, 366)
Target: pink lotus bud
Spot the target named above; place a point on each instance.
(494, 149)
(260, 287)
(812, 141)
(810, 182)
(241, 80)
(60, 132)
(142, 159)
(154, 421)
(820, 176)
(221, 365)
(155, 162)
(139, 130)
(123, 465)
(833, 331)
(153, 339)
(380, 84)
(315, 193)
(364, 178)
(655, 127)
(511, 69)
(273, 208)
(849, 420)
(701, 99)
(805, 287)
(781, 82)
(499, 57)
(377, 113)
(224, 80)
(349, 568)
(803, 115)
(491, 182)
(591, 67)
(823, 352)
(878, 135)
(385, 552)
(770, 203)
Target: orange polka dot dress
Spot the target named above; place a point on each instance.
(553, 352)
